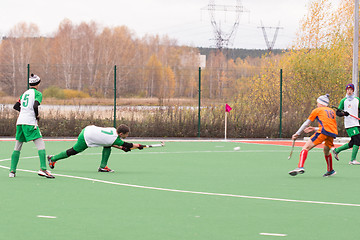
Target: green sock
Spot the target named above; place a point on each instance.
(59, 156)
(105, 156)
(342, 148)
(354, 152)
(14, 160)
(42, 156)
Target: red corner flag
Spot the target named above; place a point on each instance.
(227, 108)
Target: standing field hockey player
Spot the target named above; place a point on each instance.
(326, 132)
(350, 105)
(93, 136)
(27, 128)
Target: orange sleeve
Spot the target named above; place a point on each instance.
(314, 114)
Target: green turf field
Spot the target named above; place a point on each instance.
(186, 190)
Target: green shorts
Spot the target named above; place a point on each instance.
(26, 133)
(80, 145)
(352, 131)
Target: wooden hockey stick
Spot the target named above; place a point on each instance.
(292, 149)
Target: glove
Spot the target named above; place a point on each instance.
(125, 149)
(346, 113)
(141, 147)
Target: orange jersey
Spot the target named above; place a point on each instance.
(326, 119)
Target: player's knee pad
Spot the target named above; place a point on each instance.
(39, 143)
(71, 152)
(18, 145)
(355, 140)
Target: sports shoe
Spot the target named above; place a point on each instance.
(336, 154)
(45, 173)
(297, 171)
(105, 169)
(354, 162)
(12, 174)
(51, 162)
(329, 173)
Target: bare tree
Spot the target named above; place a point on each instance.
(17, 50)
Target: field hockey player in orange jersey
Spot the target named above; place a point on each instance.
(326, 132)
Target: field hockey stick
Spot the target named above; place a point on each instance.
(292, 149)
(343, 111)
(162, 144)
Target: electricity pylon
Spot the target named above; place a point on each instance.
(224, 37)
(270, 45)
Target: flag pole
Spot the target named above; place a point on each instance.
(227, 109)
(225, 124)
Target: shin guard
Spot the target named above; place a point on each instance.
(303, 156)
(329, 162)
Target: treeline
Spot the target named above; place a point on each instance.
(235, 53)
(82, 57)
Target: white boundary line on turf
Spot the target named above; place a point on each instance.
(43, 216)
(274, 234)
(8, 159)
(192, 152)
(194, 192)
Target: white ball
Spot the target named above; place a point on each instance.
(236, 148)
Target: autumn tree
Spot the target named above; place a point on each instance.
(154, 75)
(167, 88)
(65, 52)
(215, 72)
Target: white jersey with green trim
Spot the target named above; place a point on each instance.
(351, 106)
(99, 136)
(27, 113)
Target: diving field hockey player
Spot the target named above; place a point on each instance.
(93, 136)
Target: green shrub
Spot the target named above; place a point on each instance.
(69, 94)
(54, 92)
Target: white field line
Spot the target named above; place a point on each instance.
(42, 216)
(193, 192)
(192, 152)
(274, 234)
(137, 152)
(8, 159)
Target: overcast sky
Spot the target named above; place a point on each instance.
(188, 21)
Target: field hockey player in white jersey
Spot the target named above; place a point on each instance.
(93, 136)
(350, 105)
(27, 126)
